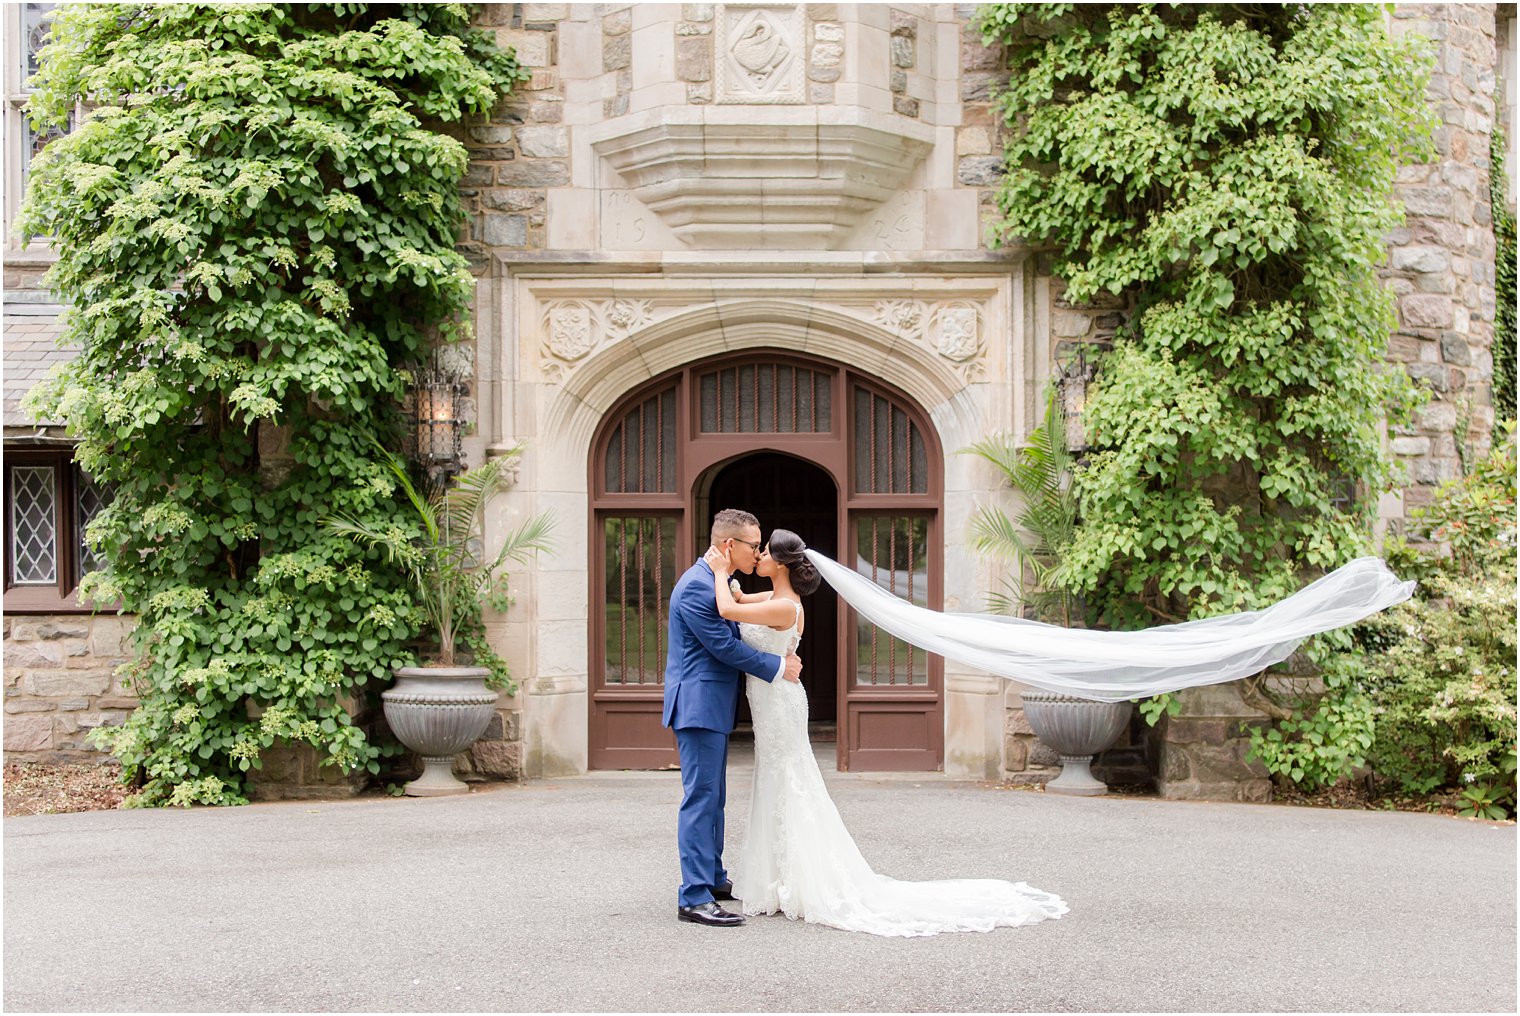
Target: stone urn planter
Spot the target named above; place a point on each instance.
(1076, 729)
(438, 712)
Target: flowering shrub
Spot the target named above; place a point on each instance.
(1443, 683)
(255, 226)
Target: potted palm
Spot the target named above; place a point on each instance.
(442, 707)
(1040, 473)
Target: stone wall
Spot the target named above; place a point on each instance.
(981, 134)
(519, 150)
(498, 755)
(61, 683)
(1441, 262)
(1201, 752)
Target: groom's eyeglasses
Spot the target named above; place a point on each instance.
(752, 546)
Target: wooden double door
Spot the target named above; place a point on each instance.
(808, 445)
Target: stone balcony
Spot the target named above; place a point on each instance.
(781, 178)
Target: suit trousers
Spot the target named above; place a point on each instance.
(699, 826)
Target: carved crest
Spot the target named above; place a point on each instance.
(760, 53)
(956, 331)
(569, 329)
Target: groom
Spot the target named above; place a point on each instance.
(703, 675)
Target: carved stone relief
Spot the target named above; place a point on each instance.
(957, 331)
(953, 329)
(760, 55)
(573, 328)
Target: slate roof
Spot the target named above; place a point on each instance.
(30, 349)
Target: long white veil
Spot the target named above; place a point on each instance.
(1112, 666)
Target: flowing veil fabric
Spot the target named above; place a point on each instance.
(1112, 666)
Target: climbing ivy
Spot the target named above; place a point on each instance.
(1227, 171)
(255, 225)
(1504, 288)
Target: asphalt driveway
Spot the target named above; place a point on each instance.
(560, 894)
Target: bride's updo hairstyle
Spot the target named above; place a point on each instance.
(786, 549)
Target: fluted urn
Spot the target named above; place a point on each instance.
(438, 712)
(1076, 729)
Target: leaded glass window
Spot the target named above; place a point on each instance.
(34, 525)
(87, 505)
(48, 504)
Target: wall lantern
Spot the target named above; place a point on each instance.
(1076, 374)
(437, 427)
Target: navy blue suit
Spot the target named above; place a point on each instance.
(704, 673)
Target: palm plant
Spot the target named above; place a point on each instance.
(443, 560)
(1040, 473)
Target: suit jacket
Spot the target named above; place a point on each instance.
(706, 661)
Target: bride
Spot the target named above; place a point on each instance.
(799, 859)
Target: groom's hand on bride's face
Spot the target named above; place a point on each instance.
(793, 671)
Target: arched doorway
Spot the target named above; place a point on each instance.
(786, 492)
(743, 431)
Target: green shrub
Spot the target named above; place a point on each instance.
(1443, 682)
(1227, 171)
(1325, 731)
(256, 230)
(1034, 543)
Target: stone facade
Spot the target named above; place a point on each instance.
(61, 682)
(1441, 262)
(1202, 751)
(677, 181)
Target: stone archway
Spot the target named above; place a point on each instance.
(562, 375)
(655, 456)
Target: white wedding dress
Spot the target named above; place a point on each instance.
(800, 860)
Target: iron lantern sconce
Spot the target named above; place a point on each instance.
(1076, 374)
(437, 423)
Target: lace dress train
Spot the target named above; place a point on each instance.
(801, 861)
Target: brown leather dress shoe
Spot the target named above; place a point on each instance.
(709, 914)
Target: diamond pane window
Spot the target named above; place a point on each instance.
(48, 504)
(86, 506)
(34, 521)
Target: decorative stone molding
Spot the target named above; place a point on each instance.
(906, 317)
(572, 328)
(953, 329)
(756, 178)
(573, 321)
(956, 330)
(761, 56)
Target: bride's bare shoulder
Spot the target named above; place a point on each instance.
(798, 613)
